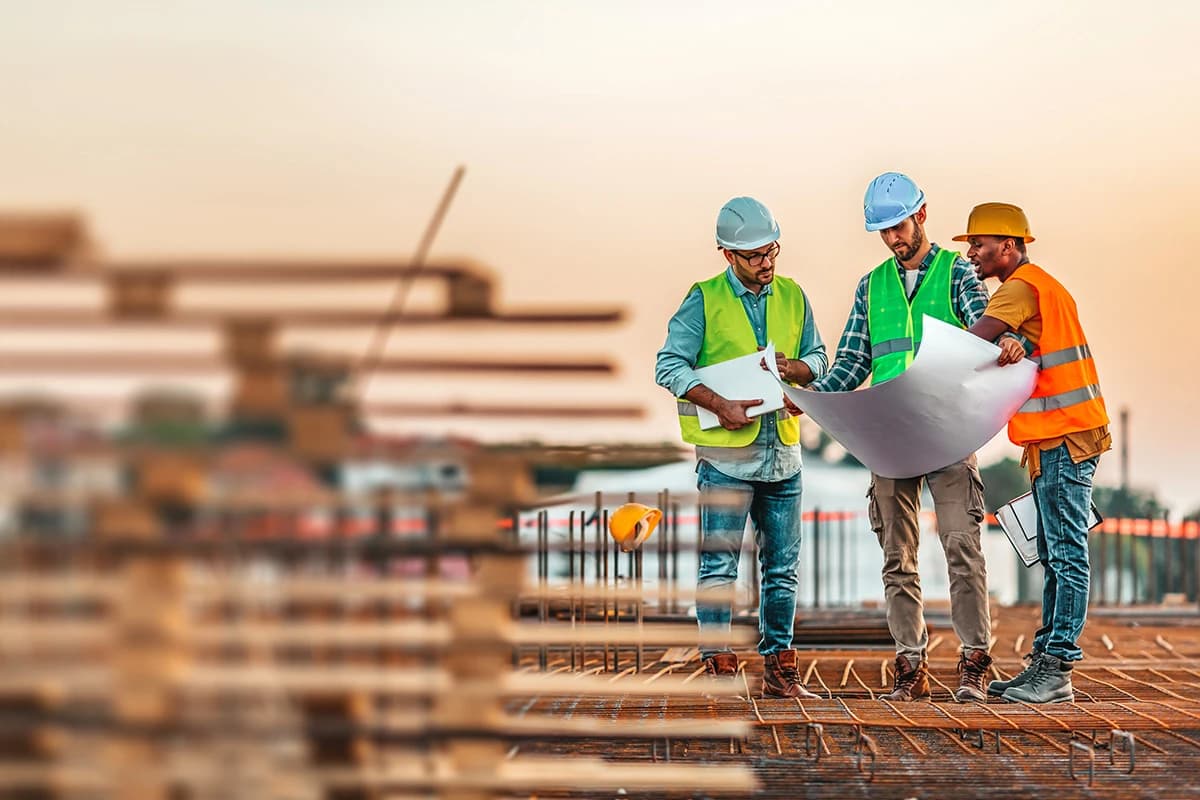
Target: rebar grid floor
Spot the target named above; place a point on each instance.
(1140, 678)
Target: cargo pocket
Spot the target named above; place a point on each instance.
(976, 505)
(873, 515)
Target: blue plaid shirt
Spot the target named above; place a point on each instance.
(852, 364)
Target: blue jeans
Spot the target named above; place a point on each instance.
(774, 508)
(1063, 495)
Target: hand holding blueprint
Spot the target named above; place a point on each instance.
(945, 406)
(743, 378)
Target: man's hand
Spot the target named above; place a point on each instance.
(791, 407)
(784, 366)
(732, 413)
(791, 370)
(1011, 351)
(781, 363)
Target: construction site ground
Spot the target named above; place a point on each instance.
(1133, 730)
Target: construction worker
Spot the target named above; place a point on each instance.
(753, 459)
(1063, 428)
(881, 338)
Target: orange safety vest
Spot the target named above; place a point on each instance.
(1066, 397)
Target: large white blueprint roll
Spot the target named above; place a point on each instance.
(952, 400)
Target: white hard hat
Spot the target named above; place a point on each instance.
(744, 224)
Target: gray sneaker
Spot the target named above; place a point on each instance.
(1049, 683)
(997, 688)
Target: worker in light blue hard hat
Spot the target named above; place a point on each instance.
(755, 459)
(880, 339)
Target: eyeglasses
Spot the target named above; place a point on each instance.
(757, 259)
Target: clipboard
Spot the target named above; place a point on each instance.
(1018, 519)
(743, 378)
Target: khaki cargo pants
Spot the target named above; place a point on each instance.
(958, 501)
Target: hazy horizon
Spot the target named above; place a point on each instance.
(600, 142)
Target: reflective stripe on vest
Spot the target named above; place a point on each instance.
(1066, 398)
(896, 323)
(1062, 400)
(728, 334)
(891, 346)
(1064, 356)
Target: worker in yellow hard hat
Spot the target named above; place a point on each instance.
(748, 465)
(1063, 428)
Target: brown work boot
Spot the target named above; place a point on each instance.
(781, 677)
(911, 682)
(722, 669)
(972, 667)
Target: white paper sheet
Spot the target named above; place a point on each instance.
(1018, 519)
(743, 378)
(952, 399)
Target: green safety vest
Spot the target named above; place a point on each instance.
(728, 334)
(895, 322)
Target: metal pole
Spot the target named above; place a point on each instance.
(1195, 578)
(1184, 572)
(515, 607)
(699, 537)
(668, 602)
(640, 610)
(854, 578)
(1120, 561)
(1135, 546)
(675, 553)
(1152, 576)
(816, 573)
(616, 584)
(602, 555)
(842, 598)
(660, 561)
(571, 574)
(629, 564)
(1182, 567)
(543, 602)
(383, 327)
(1196, 566)
(583, 550)
(1169, 577)
(598, 560)
(1102, 545)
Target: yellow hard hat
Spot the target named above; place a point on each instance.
(632, 524)
(997, 219)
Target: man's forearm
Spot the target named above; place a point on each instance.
(705, 397)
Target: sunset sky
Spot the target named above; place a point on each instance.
(600, 140)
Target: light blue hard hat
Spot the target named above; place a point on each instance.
(744, 224)
(891, 198)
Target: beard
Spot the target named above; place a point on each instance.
(905, 251)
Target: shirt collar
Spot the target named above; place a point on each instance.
(739, 288)
(934, 249)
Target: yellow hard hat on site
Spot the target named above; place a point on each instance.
(997, 219)
(632, 524)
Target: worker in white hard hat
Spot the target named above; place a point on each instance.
(754, 459)
(880, 340)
